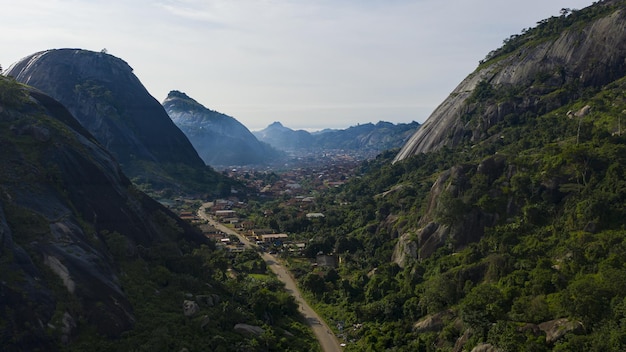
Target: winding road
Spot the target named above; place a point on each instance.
(327, 340)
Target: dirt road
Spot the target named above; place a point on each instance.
(328, 341)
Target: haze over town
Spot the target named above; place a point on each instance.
(319, 64)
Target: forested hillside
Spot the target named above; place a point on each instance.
(511, 238)
(88, 262)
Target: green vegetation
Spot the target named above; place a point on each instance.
(515, 238)
(47, 173)
(157, 282)
(12, 93)
(537, 237)
(553, 26)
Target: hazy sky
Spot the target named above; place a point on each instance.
(306, 63)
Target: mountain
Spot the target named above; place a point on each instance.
(284, 138)
(500, 224)
(88, 262)
(104, 95)
(65, 207)
(537, 76)
(367, 138)
(220, 139)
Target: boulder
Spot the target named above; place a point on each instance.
(190, 308)
(248, 329)
(208, 300)
(556, 329)
(433, 322)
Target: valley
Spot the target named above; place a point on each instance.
(496, 225)
(326, 339)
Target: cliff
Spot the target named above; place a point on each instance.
(533, 73)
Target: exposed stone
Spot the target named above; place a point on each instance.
(208, 300)
(219, 139)
(592, 55)
(434, 322)
(69, 324)
(96, 196)
(556, 329)
(102, 92)
(462, 340)
(404, 249)
(249, 329)
(62, 272)
(190, 308)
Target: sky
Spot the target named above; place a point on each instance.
(309, 64)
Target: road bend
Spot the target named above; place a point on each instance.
(327, 340)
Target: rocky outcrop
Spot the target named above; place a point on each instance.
(434, 322)
(405, 249)
(578, 57)
(190, 308)
(556, 329)
(220, 139)
(247, 329)
(447, 217)
(104, 95)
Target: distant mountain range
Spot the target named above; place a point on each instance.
(220, 139)
(367, 138)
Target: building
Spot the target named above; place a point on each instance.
(326, 260)
(272, 237)
(225, 214)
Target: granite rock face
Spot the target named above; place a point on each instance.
(220, 139)
(581, 56)
(63, 198)
(103, 94)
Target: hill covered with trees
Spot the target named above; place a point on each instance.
(508, 233)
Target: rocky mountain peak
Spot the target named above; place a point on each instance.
(275, 124)
(576, 53)
(220, 139)
(104, 95)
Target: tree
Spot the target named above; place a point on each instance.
(586, 298)
(314, 283)
(482, 307)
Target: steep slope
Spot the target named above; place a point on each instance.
(219, 139)
(506, 234)
(105, 96)
(63, 203)
(539, 71)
